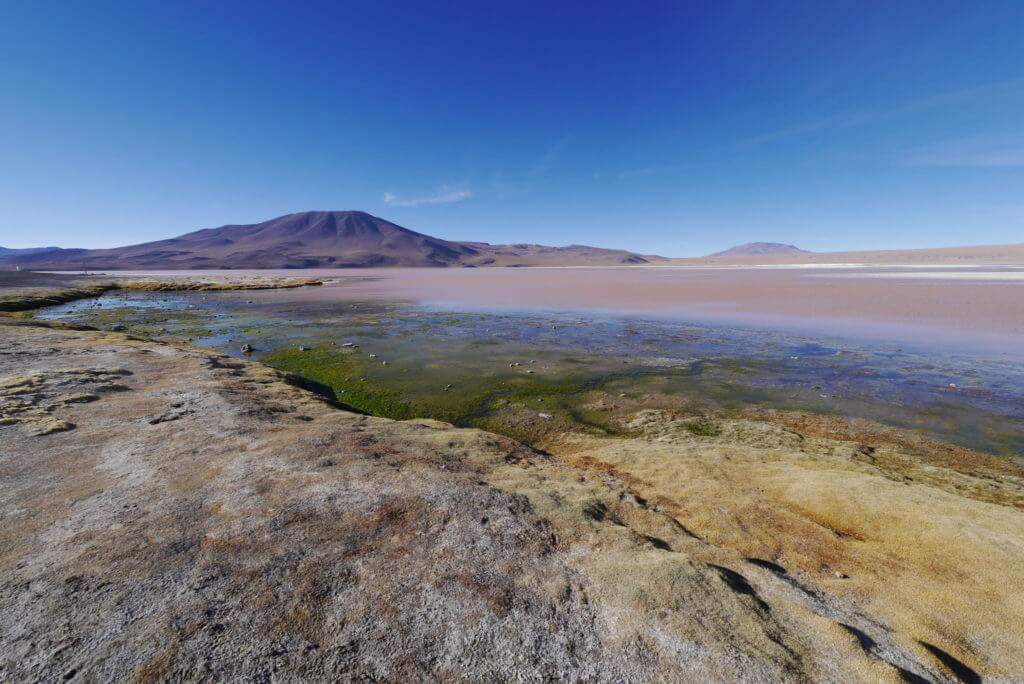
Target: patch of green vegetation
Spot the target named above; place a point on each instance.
(146, 322)
(732, 366)
(475, 400)
(1004, 443)
(702, 427)
(341, 373)
(105, 316)
(506, 402)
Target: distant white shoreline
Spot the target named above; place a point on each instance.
(934, 275)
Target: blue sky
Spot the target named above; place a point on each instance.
(676, 128)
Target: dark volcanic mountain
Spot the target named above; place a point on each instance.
(316, 239)
(760, 249)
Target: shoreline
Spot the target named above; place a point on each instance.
(579, 380)
(38, 298)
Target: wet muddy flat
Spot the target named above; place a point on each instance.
(533, 373)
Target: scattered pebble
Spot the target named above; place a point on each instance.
(247, 348)
(545, 416)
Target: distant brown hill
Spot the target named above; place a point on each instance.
(760, 249)
(317, 239)
(966, 255)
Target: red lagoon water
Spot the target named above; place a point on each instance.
(977, 308)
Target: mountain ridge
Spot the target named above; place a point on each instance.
(317, 239)
(760, 249)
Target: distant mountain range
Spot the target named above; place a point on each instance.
(760, 249)
(314, 239)
(6, 251)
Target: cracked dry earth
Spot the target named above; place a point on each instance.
(170, 514)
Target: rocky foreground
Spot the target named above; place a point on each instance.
(171, 514)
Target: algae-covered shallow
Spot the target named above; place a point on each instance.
(531, 375)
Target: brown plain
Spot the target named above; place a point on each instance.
(971, 254)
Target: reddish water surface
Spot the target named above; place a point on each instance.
(937, 306)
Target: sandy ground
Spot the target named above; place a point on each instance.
(173, 514)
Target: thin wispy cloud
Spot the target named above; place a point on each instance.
(854, 119)
(978, 153)
(650, 171)
(445, 195)
(637, 173)
(833, 122)
(532, 175)
(549, 156)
